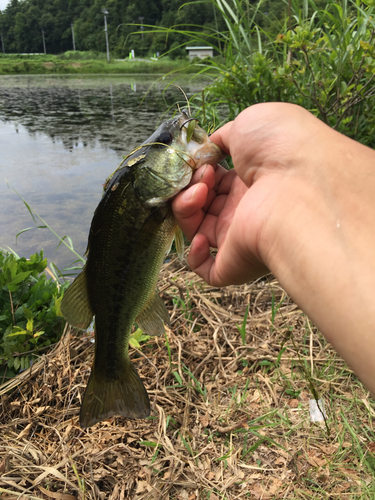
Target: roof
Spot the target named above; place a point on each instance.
(200, 48)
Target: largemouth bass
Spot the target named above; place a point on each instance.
(131, 232)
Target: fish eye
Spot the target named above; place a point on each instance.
(165, 138)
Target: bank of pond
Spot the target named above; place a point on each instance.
(21, 64)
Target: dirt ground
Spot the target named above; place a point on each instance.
(230, 419)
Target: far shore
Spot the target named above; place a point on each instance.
(55, 65)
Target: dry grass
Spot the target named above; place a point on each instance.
(229, 421)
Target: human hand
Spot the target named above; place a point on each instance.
(230, 210)
(212, 207)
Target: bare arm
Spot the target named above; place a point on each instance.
(301, 203)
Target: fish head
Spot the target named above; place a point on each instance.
(170, 156)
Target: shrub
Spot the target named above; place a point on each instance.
(30, 316)
(82, 55)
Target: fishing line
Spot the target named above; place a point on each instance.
(187, 121)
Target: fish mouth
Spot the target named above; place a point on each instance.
(199, 146)
(187, 121)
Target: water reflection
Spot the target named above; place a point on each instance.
(112, 113)
(59, 139)
(80, 113)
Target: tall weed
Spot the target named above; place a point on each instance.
(322, 59)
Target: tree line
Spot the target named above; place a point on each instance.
(22, 22)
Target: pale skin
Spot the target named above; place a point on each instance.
(300, 203)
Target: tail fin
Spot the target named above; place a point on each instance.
(104, 398)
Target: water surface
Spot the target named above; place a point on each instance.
(60, 137)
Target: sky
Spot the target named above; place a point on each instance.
(3, 4)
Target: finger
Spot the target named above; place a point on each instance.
(221, 186)
(230, 185)
(217, 205)
(221, 137)
(204, 264)
(200, 260)
(211, 175)
(210, 198)
(220, 173)
(189, 201)
(205, 174)
(187, 208)
(209, 230)
(224, 269)
(226, 181)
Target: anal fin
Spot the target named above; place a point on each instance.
(153, 316)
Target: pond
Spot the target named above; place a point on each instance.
(60, 138)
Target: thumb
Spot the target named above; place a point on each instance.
(221, 137)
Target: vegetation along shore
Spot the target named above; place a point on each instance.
(88, 63)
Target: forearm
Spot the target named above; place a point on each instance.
(324, 254)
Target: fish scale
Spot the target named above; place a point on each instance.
(119, 276)
(131, 232)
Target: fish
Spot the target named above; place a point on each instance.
(131, 233)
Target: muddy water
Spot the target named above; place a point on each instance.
(59, 140)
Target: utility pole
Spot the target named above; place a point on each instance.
(105, 12)
(141, 19)
(44, 42)
(2, 42)
(74, 44)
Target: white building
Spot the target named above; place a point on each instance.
(200, 52)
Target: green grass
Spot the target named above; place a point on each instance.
(50, 64)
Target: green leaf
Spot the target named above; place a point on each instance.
(17, 331)
(17, 279)
(10, 361)
(152, 444)
(58, 306)
(17, 363)
(30, 325)
(27, 312)
(137, 337)
(177, 377)
(137, 334)
(134, 342)
(264, 362)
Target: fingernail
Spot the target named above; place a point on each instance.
(189, 193)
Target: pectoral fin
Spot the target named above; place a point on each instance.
(153, 316)
(75, 305)
(180, 243)
(178, 238)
